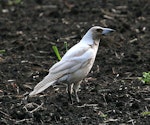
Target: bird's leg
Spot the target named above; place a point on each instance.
(75, 89)
(70, 92)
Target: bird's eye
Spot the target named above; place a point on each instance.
(98, 30)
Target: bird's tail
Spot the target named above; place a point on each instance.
(44, 84)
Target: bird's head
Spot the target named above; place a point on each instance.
(98, 32)
(95, 33)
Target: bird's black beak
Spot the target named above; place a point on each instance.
(107, 30)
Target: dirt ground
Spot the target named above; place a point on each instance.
(110, 95)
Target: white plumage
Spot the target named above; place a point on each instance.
(75, 64)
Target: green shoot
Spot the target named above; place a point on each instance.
(55, 49)
(103, 115)
(17, 1)
(146, 113)
(66, 46)
(2, 51)
(56, 52)
(12, 2)
(146, 78)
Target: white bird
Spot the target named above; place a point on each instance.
(75, 64)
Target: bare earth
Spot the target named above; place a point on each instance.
(110, 95)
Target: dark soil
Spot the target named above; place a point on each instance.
(110, 95)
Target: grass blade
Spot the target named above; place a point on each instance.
(66, 46)
(2, 51)
(56, 52)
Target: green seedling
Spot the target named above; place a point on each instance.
(66, 46)
(103, 115)
(146, 78)
(55, 49)
(146, 113)
(12, 2)
(2, 51)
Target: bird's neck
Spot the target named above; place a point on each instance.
(88, 39)
(95, 45)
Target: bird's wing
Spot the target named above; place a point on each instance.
(76, 51)
(49, 80)
(68, 65)
(73, 60)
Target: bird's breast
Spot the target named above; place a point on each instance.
(82, 72)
